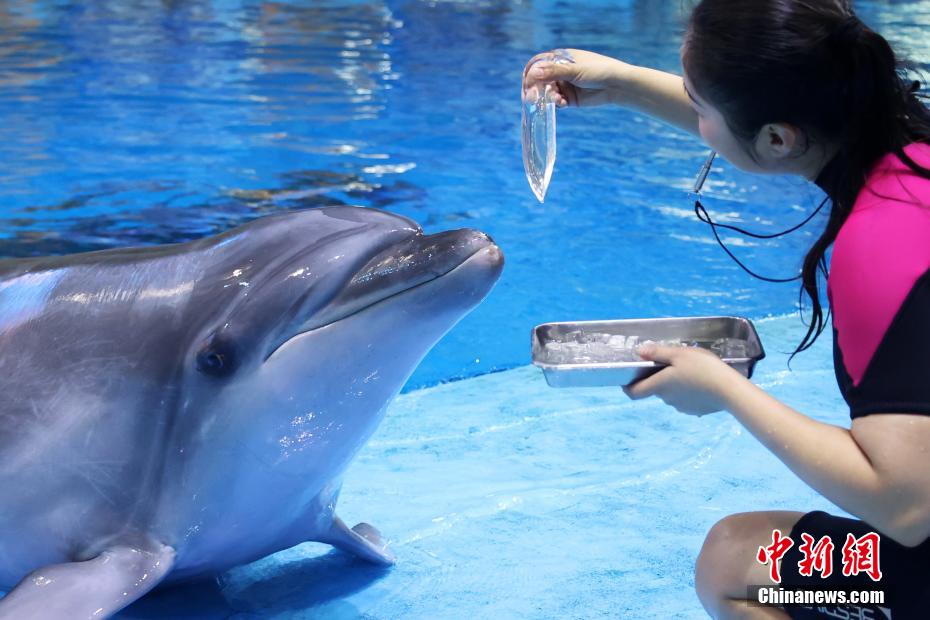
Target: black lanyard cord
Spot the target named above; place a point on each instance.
(702, 215)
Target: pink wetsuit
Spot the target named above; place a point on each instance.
(879, 291)
(879, 288)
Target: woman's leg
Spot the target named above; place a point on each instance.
(727, 564)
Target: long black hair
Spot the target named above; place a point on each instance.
(815, 65)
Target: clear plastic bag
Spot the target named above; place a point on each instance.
(539, 129)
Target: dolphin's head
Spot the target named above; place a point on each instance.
(324, 315)
(284, 281)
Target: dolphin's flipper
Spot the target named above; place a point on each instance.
(362, 540)
(95, 589)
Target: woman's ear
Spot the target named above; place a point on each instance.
(777, 141)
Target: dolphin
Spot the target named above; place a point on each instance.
(167, 413)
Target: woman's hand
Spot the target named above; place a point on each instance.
(590, 80)
(695, 382)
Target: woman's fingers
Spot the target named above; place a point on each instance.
(561, 93)
(546, 71)
(651, 385)
(538, 58)
(566, 94)
(547, 59)
(644, 388)
(579, 82)
(542, 69)
(658, 353)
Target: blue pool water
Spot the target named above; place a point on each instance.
(126, 123)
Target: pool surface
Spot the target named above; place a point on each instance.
(139, 123)
(127, 123)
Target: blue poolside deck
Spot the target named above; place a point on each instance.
(504, 498)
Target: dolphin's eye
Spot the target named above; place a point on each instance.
(216, 359)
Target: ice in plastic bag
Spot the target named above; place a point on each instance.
(539, 130)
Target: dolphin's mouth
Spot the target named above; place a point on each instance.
(401, 267)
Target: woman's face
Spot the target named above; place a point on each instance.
(717, 134)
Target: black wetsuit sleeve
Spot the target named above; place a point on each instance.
(897, 379)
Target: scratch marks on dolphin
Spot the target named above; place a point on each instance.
(50, 433)
(121, 295)
(88, 471)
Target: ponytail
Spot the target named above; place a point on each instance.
(753, 59)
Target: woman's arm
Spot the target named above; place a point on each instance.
(879, 471)
(593, 79)
(658, 94)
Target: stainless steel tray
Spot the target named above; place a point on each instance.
(699, 329)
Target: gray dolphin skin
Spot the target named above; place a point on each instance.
(167, 413)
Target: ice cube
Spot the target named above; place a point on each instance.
(730, 348)
(617, 341)
(735, 348)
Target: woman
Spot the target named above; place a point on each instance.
(804, 87)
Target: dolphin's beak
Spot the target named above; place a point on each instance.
(401, 267)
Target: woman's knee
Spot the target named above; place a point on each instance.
(716, 567)
(727, 563)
